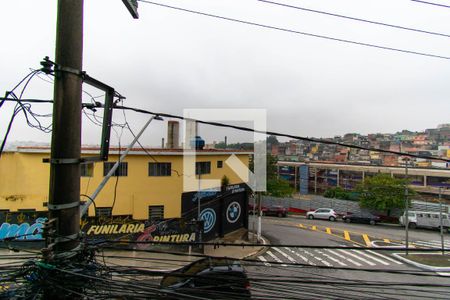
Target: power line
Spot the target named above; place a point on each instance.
(241, 128)
(431, 3)
(298, 32)
(354, 19)
(25, 100)
(296, 137)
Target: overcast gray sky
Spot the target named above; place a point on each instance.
(170, 60)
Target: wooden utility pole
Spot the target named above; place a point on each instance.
(64, 196)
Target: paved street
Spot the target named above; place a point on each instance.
(301, 273)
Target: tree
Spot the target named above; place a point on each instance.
(338, 193)
(276, 187)
(272, 140)
(383, 192)
(224, 182)
(271, 169)
(279, 188)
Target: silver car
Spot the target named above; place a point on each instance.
(322, 213)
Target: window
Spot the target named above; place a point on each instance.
(87, 169)
(155, 212)
(103, 211)
(202, 167)
(219, 164)
(159, 169)
(122, 170)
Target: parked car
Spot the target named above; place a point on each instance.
(275, 210)
(211, 278)
(322, 213)
(361, 218)
(250, 209)
(425, 219)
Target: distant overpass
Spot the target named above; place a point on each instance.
(424, 180)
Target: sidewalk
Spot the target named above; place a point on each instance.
(238, 237)
(430, 261)
(168, 262)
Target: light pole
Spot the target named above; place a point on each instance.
(198, 194)
(440, 220)
(406, 206)
(259, 217)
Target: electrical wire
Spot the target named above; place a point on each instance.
(296, 137)
(353, 18)
(297, 32)
(431, 3)
(31, 117)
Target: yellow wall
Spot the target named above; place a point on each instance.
(24, 183)
(24, 180)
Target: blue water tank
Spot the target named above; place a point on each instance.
(198, 143)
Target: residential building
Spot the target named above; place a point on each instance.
(149, 183)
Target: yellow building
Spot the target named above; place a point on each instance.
(149, 183)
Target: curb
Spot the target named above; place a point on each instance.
(260, 251)
(394, 245)
(422, 266)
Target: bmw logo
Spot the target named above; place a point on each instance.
(208, 216)
(233, 212)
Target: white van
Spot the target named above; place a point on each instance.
(425, 219)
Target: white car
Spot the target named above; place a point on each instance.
(322, 213)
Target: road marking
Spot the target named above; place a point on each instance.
(318, 258)
(433, 244)
(328, 230)
(261, 258)
(357, 257)
(301, 256)
(366, 240)
(275, 258)
(346, 235)
(331, 258)
(343, 257)
(314, 227)
(386, 240)
(385, 257)
(362, 252)
(285, 255)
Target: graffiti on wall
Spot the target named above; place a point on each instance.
(22, 225)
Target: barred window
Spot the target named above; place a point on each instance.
(219, 164)
(155, 212)
(87, 169)
(159, 169)
(122, 170)
(202, 167)
(103, 211)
